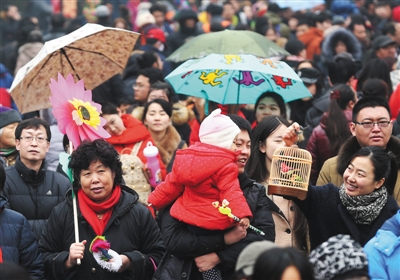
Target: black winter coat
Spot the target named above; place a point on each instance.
(183, 245)
(34, 195)
(327, 216)
(18, 243)
(131, 231)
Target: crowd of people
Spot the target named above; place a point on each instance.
(214, 161)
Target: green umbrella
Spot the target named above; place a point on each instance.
(227, 42)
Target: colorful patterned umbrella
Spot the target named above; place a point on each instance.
(93, 53)
(236, 79)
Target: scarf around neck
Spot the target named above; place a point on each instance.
(6, 152)
(364, 208)
(89, 209)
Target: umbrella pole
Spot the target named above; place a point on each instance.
(75, 209)
(69, 61)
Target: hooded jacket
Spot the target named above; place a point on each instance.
(18, 243)
(201, 175)
(135, 132)
(34, 195)
(333, 168)
(383, 251)
(131, 231)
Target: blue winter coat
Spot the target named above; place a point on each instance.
(18, 243)
(383, 251)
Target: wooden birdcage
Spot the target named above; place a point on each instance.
(290, 172)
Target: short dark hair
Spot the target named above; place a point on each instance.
(276, 97)
(242, 123)
(153, 74)
(108, 108)
(158, 7)
(57, 20)
(34, 123)
(341, 70)
(272, 263)
(389, 28)
(375, 87)
(367, 102)
(163, 103)
(356, 19)
(88, 152)
(323, 16)
(167, 88)
(385, 164)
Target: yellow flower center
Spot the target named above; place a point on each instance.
(85, 113)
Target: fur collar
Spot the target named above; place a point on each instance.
(168, 145)
(351, 146)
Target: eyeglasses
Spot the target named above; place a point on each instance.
(372, 124)
(29, 139)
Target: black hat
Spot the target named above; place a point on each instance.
(8, 116)
(309, 75)
(382, 41)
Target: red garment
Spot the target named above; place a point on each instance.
(135, 132)
(201, 175)
(1, 256)
(5, 98)
(89, 208)
(394, 103)
(194, 132)
(319, 146)
(312, 40)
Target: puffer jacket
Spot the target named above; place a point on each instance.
(383, 251)
(131, 231)
(17, 242)
(319, 146)
(333, 168)
(201, 175)
(34, 195)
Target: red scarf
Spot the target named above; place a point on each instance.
(89, 208)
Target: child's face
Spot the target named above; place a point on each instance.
(233, 146)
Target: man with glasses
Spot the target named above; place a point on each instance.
(371, 126)
(30, 189)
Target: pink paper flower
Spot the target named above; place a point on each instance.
(77, 115)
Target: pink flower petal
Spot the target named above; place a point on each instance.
(73, 134)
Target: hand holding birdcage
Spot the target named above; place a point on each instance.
(291, 134)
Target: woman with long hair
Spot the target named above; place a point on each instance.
(157, 118)
(333, 130)
(290, 224)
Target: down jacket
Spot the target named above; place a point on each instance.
(183, 245)
(201, 175)
(18, 243)
(34, 195)
(131, 231)
(383, 251)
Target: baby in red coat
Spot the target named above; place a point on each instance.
(204, 173)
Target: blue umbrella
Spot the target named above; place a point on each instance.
(236, 79)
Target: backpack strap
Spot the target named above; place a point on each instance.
(136, 148)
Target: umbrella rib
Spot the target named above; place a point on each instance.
(69, 61)
(98, 53)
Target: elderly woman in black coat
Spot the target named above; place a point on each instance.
(113, 227)
(360, 205)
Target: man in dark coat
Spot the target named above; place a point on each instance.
(17, 241)
(188, 253)
(30, 189)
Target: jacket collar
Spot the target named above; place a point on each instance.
(30, 175)
(244, 180)
(3, 201)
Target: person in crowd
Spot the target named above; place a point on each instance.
(188, 252)
(358, 27)
(310, 36)
(146, 77)
(9, 20)
(392, 30)
(376, 87)
(375, 68)
(357, 207)
(106, 209)
(298, 52)
(383, 46)
(159, 11)
(282, 264)
(269, 104)
(290, 224)
(371, 126)
(340, 257)
(9, 119)
(30, 188)
(126, 132)
(17, 241)
(103, 15)
(245, 263)
(29, 50)
(383, 250)
(120, 23)
(333, 130)
(205, 174)
(57, 27)
(157, 118)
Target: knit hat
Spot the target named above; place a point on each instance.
(7, 116)
(338, 256)
(250, 254)
(309, 75)
(218, 130)
(102, 11)
(144, 18)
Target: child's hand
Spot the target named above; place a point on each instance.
(244, 222)
(291, 136)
